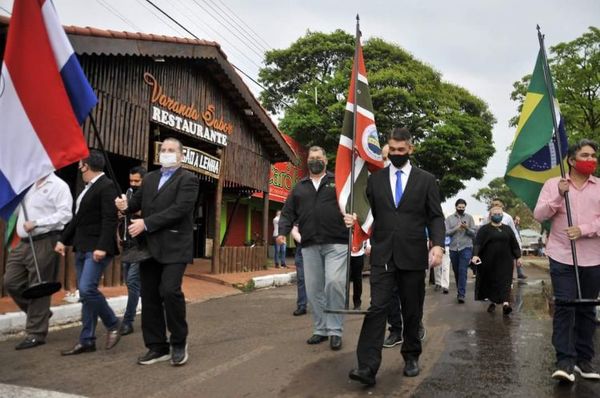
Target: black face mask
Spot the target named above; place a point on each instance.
(134, 189)
(316, 166)
(460, 212)
(399, 160)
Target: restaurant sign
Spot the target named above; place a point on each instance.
(195, 160)
(186, 118)
(285, 175)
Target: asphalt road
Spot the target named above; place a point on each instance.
(250, 345)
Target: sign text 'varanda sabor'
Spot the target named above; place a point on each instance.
(194, 160)
(186, 118)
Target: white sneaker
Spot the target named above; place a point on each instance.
(563, 375)
(72, 297)
(586, 371)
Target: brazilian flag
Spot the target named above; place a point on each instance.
(534, 157)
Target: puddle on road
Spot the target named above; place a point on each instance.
(533, 300)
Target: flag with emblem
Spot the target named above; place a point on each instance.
(534, 156)
(366, 156)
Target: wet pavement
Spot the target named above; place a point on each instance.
(249, 345)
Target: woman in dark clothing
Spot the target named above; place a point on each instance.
(494, 251)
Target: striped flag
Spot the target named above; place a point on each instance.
(366, 156)
(44, 98)
(534, 156)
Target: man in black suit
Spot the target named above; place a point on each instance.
(166, 199)
(405, 201)
(92, 233)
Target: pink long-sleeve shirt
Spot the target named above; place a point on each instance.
(585, 209)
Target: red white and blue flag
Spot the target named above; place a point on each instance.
(44, 99)
(365, 156)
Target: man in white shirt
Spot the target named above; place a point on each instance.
(48, 206)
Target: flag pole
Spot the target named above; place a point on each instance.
(352, 171)
(346, 309)
(109, 168)
(557, 143)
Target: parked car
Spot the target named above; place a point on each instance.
(529, 240)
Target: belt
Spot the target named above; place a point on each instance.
(41, 236)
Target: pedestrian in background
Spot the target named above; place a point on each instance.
(280, 246)
(460, 227)
(131, 270)
(495, 251)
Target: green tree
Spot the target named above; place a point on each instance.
(575, 69)
(452, 128)
(512, 204)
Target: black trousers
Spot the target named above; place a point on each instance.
(163, 305)
(356, 268)
(411, 289)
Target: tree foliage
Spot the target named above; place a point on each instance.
(575, 69)
(452, 128)
(512, 204)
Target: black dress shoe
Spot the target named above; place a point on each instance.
(29, 342)
(411, 368)
(363, 375)
(79, 349)
(335, 342)
(112, 337)
(125, 329)
(300, 311)
(316, 339)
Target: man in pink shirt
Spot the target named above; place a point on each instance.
(573, 327)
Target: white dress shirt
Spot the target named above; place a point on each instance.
(87, 187)
(405, 174)
(48, 205)
(317, 181)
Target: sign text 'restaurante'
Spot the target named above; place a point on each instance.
(184, 118)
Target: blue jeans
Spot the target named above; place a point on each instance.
(573, 327)
(460, 260)
(131, 276)
(301, 300)
(279, 256)
(325, 278)
(93, 302)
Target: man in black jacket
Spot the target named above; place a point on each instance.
(92, 233)
(167, 199)
(405, 201)
(313, 206)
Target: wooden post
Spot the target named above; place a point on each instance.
(265, 226)
(214, 264)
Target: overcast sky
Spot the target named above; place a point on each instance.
(482, 45)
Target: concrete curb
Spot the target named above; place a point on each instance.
(261, 282)
(14, 322)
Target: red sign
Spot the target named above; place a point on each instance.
(285, 175)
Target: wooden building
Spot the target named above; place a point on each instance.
(151, 87)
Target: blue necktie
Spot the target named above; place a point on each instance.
(398, 187)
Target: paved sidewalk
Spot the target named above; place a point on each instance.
(198, 285)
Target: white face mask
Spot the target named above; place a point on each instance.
(167, 159)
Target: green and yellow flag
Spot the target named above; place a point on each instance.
(534, 157)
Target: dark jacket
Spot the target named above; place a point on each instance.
(399, 233)
(95, 224)
(168, 214)
(316, 212)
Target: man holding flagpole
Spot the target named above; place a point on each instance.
(573, 327)
(313, 207)
(404, 201)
